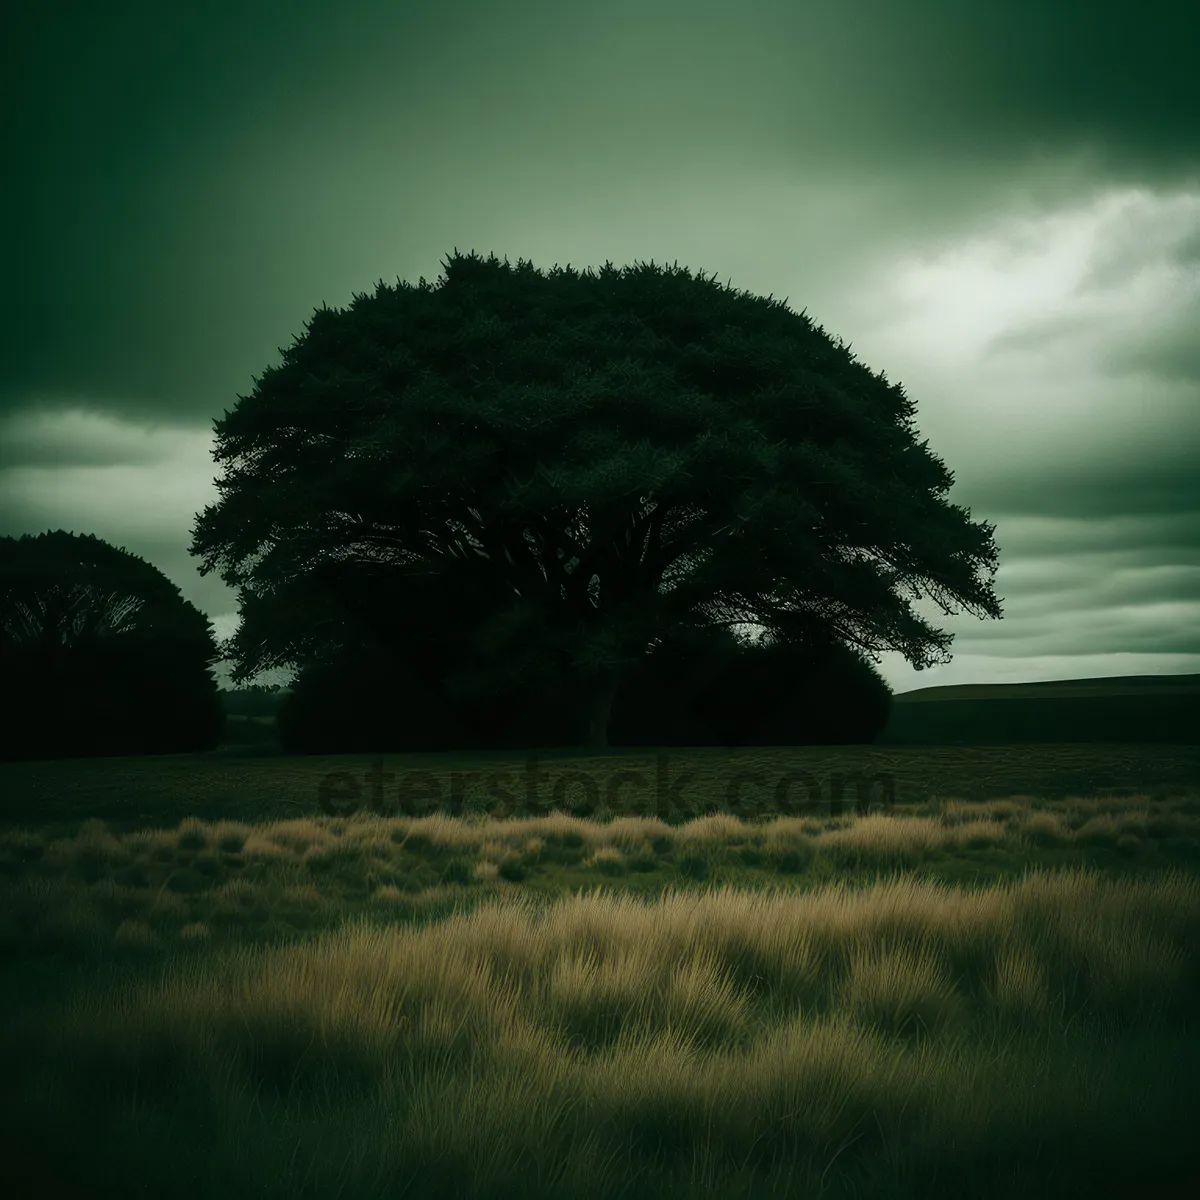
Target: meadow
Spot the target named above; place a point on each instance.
(982, 980)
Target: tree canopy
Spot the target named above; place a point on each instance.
(606, 457)
(102, 652)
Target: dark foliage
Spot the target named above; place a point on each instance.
(593, 458)
(106, 654)
(713, 691)
(785, 695)
(373, 698)
(380, 684)
(693, 689)
(365, 700)
(656, 703)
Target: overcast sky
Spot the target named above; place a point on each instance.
(995, 202)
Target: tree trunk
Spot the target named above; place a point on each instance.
(600, 692)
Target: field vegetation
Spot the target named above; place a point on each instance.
(986, 997)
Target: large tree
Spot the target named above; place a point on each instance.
(610, 457)
(101, 654)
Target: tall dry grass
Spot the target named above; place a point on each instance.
(873, 1040)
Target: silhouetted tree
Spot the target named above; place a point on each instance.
(382, 663)
(725, 692)
(613, 457)
(656, 702)
(370, 689)
(782, 694)
(104, 652)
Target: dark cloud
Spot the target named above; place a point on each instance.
(1126, 485)
(187, 171)
(1038, 334)
(1187, 249)
(1171, 354)
(74, 439)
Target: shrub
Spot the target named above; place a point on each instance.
(711, 690)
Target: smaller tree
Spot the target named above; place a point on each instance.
(105, 653)
(656, 703)
(793, 694)
(709, 688)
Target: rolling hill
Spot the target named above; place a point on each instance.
(1053, 689)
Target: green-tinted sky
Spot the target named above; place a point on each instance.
(996, 202)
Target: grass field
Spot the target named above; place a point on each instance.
(214, 988)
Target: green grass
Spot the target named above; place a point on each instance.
(992, 997)
(131, 793)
